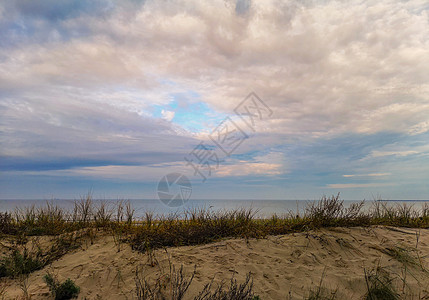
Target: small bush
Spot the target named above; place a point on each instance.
(61, 291)
(18, 263)
(21, 262)
(6, 223)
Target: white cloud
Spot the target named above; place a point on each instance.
(167, 115)
(394, 153)
(323, 68)
(367, 175)
(272, 163)
(244, 168)
(357, 185)
(419, 128)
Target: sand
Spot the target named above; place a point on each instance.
(282, 267)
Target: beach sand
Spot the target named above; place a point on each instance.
(282, 267)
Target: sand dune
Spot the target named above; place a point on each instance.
(282, 267)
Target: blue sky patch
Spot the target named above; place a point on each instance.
(190, 112)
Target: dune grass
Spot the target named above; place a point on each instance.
(175, 284)
(203, 226)
(198, 226)
(233, 290)
(379, 285)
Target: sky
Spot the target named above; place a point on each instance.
(110, 96)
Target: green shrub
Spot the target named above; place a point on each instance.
(61, 291)
(18, 263)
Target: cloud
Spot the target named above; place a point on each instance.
(357, 70)
(91, 85)
(42, 134)
(393, 153)
(357, 185)
(271, 163)
(151, 173)
(419, 128)
(367, 175)
(244, 168)
(167, 115)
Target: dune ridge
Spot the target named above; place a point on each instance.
(289, 266)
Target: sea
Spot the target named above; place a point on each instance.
(261, 208)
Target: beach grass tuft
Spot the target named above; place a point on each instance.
(175, 284)
(234, 291)
(379, 285)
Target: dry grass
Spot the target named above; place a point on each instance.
(203, 226)
(198, 226)
(320, 292)
(233, 291)
(175, 284)
(379, 285)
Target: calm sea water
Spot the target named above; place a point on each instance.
(263, 208)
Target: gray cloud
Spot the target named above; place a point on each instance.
(319, 66)
(79, 80)
(65, 132)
